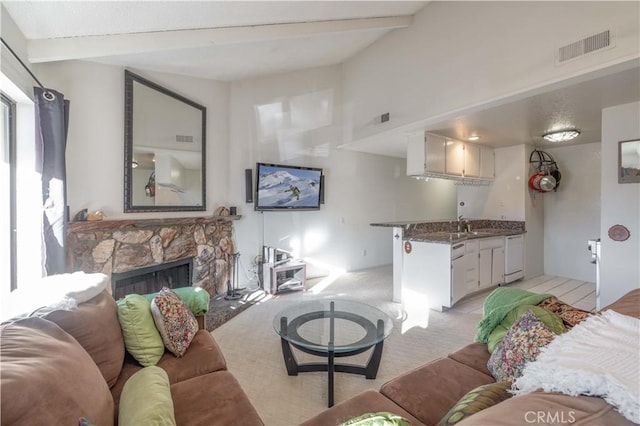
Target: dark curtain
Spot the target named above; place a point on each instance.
(52, 120)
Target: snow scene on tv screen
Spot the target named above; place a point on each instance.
(281, 187)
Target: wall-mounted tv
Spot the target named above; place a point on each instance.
(280, 187)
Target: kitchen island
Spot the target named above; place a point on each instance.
(440, 262)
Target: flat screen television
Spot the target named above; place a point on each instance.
(280, 187)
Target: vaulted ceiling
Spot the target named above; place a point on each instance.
(221, 40)
(236, 40)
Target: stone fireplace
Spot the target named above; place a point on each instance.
(151, 279)
(121, 246)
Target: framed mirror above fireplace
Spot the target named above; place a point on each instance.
(164, 149)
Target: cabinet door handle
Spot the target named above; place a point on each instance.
(396, 236)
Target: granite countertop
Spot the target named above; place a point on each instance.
(406, 223)
(444, 231)
(444, 237)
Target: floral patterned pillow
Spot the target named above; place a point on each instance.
(521, 344)
(174, 321)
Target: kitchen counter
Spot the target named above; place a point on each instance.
(444, 234)
(445, 231)
(445, 237)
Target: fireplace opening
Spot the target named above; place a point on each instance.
(151, 279)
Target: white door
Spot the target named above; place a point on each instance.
(487, 163)
(497, 266)
(435, 153)
(454, 157)
(471, 160)
(484, 269)
(458, 279)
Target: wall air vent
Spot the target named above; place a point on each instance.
(587, 45)
(184, 138)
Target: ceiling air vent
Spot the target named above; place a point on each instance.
(184, 138)
(586, 45)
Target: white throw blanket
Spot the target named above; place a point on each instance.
(598, 357)
(64, 291)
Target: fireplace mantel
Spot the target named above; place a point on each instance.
(110, 246)
(93, 225)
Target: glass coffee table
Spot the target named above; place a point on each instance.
(332, 329)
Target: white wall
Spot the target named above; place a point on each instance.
(9, 65)
(572, 213)
(95, 143)
(620, 205)
(459, 54)
(360, 188)
(503, 199)
(508, 198)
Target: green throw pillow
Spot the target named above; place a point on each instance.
(477, 400)
(377, 419)
(146, 399)
(548, 318)
(196, 298)
(141, 337)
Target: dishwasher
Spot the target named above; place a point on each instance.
(513, 258)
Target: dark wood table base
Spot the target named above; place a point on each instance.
(370, 370)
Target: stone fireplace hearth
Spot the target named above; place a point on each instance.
(116, 246)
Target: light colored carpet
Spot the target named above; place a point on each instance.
(253, 352)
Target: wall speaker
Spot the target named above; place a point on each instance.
(248, 185)
(321, 189)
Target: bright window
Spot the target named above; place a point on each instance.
(8, 196)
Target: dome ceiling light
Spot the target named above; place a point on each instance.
(561, 135)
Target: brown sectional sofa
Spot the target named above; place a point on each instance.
(425, 395)
(71, 364)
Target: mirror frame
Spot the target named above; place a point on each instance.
(621, 176)
(129, 79)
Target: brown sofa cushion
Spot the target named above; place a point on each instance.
(629, 304)
(203, 356)
(476, 355)
(548, 408)
(94, 324)
(48, 378)
(431, 390)
(365, 402)
(212, 399)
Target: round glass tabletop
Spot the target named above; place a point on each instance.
(350, 325)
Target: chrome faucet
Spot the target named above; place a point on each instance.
(461, 220)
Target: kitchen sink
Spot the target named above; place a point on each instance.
(481, 233)
(453, 236)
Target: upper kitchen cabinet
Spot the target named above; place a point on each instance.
(471, 160)
(454, 158)
(436, 156)
(487, 163)
(425, 154)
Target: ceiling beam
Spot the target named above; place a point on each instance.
(60, 49)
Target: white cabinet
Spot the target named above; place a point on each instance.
(487, 163)
(436, 156)
(458, 278)
(454, 158)
(491, 262)
(471, 261)
(471, 160)
(425, 154)
(437, 275)
(426, 276)
(497, 266)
